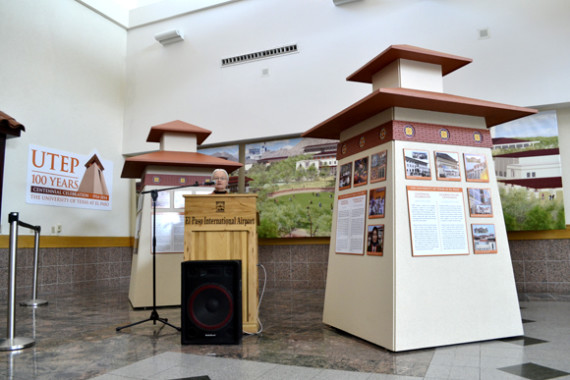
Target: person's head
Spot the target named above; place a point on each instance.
(375, 234)
(220, 178)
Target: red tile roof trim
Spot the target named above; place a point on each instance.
(177, 126)
(134, 167)
(448, 62)
(385, 98)
(9, 126)
(535, 183)
(532, 153)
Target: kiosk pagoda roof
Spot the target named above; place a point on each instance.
(134, 167)
(9, 126)
(448, 62)
(384, 98)
(179, 127)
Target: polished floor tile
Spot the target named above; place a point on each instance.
(534, 372)
(76, 339)
(524, 341)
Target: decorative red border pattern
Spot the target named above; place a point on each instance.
(422, 132)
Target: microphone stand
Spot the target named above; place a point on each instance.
(154, 313)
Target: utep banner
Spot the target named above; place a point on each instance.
(58, 178)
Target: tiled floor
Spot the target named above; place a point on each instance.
(76, 339)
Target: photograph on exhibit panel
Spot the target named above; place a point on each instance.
(376, 202)
(361, 172)
(378, 164)
(345, 176)
(480, 204)
(375, 240)
(447, 166)
(417, 164)
(476, 168)
(484, 238)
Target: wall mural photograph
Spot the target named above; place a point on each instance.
(294, 181)
(529, 172)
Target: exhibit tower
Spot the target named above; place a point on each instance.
(175, 170)
(419, 255)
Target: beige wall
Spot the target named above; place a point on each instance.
(62, 76)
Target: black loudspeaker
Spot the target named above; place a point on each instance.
(211, 302)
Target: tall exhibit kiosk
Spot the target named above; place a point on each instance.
(224, 227)
(419, 255)
(175, 170)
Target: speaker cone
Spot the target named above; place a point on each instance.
(211, 307)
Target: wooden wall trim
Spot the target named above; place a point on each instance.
(516, 235)
(294, 241)
(540, 235)
(27, 241)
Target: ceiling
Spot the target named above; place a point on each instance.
(132, 4)
(135, 13)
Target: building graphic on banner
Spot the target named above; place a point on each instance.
(93, 181)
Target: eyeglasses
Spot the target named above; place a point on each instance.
(220, 179)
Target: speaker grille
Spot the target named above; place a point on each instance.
(211, 307)
(211, 302)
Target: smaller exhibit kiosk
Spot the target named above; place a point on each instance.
(419, 255)
(175, 170)
(224, 227)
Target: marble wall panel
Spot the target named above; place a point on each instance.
(63, 270)
(540, 266)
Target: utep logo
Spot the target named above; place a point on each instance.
(362, 142)
(444, 134)
(220, 206)
(409, 131)
(382, 134)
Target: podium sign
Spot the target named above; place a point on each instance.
(224, 227)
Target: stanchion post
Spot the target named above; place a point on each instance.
(36, 260)
(12, 343)
(13, 219)
(34, 302)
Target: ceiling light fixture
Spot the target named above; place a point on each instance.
(340, 2)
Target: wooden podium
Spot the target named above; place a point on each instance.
(224, 227)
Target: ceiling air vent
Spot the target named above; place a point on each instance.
(283, 50)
